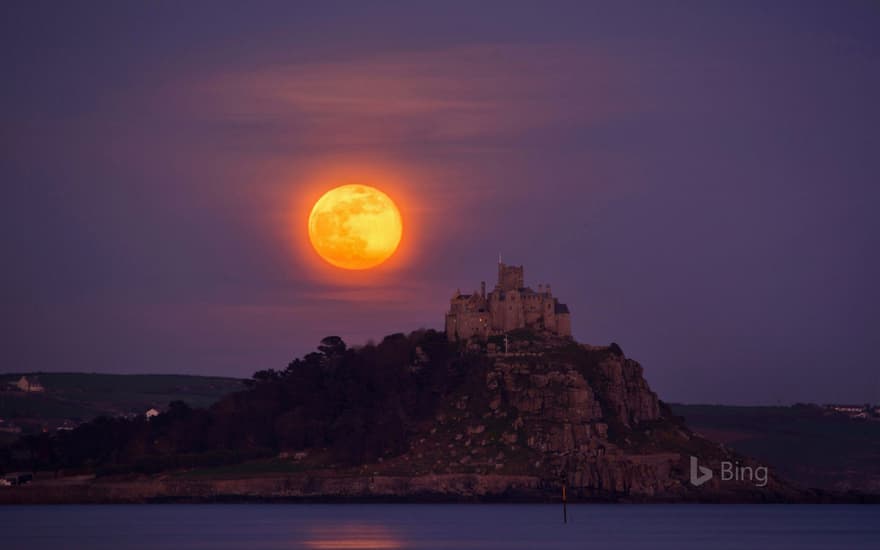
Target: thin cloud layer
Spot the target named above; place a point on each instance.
(455, 95)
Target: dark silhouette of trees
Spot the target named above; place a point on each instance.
(268, 375)
(332, 346)
(358, 404)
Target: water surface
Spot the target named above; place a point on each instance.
(440, 526)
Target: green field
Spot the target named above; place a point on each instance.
(83, 396)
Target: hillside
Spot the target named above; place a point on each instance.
(414, 417)
(79, 397)
(804, 443)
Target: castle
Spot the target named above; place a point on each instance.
(510, 305)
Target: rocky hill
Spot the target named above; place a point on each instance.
(412, 417)
(562, 413)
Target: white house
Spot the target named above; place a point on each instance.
(29, 385)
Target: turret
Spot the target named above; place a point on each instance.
(510, 277)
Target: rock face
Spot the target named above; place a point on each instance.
(584, 417)
(565, 419)
(562, 417)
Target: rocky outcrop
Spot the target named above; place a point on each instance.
(627, 392)
(561, 410)
(565, 419)
(549, 414)
(584, 417)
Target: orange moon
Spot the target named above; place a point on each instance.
(355, 227)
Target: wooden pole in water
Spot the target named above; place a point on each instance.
(564, 507)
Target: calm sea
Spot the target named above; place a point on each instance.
(387, 526)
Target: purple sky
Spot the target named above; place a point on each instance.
(697, 180)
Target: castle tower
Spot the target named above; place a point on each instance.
(510, 277)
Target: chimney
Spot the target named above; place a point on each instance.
(483, 289)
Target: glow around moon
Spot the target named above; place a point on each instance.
(355, 227)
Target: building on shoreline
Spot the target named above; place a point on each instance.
(28, 385)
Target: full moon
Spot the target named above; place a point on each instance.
(355, 227)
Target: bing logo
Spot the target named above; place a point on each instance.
(729, 472)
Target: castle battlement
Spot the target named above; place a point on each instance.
(509, 306)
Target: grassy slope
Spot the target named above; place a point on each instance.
(803, 443)
(83, 396)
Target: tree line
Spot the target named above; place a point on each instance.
(356, 404)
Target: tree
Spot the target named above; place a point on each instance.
(178, 409)
(266, 375)
(332, 346)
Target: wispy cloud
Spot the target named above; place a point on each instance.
(457, 94)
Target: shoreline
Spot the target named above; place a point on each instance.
(434, 489)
